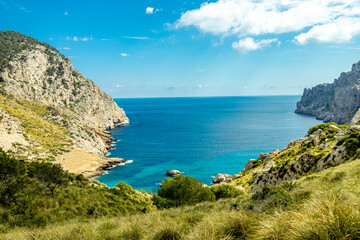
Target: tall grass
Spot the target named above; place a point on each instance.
(331, 211)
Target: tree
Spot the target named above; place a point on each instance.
(185, 190)
(13, 178)
(49, 175)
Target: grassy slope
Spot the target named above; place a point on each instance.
(322, 205)
(48, 137)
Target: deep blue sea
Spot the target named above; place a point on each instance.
(200, 136)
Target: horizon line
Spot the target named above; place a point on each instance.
(276, 95)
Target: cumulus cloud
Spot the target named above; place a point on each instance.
(149, 10)
(338, 31)
(325, 19)
(249, 44)
(124, 54)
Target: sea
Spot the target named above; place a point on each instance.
(200, 137)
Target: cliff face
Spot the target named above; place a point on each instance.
(325, 146)
(39, 73)
(337, 102)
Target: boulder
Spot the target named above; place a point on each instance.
(173, 173)
(220, 178)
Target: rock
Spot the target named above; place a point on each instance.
(317, 132)
(265, 157)
(354, 128)
(220, 178)
(333, 128)
(249, 165)
(173, 173)
(241, 188)
(338, 102)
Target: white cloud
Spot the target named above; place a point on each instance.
(149, 10)
(76, 39)
(66, 13)
(338, 31)
(119, 85)
(136, 37)
(246, 18)
(64, 48)
(124, 54)
(249, 44)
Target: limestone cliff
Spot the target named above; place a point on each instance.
(337, 102)
(50, 104)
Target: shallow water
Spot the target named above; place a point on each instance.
(200, 136)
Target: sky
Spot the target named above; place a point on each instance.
(162, 48)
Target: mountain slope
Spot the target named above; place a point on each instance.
(337, 102)
(41, 91)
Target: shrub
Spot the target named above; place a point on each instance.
(183, 190)
(225, 191)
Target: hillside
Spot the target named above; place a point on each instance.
(48, 108)
(337, 101)
(322, 205)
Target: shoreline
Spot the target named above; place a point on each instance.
(90, 165)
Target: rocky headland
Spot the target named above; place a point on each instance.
(333, 102)
(49, 110)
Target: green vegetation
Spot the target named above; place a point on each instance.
(12, 43)
(39, 193)
(325, 127)
(322, 205)
(49, 136)
(351, 143)
(182, 190)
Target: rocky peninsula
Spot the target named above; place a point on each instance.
(333, 102)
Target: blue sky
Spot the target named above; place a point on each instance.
(162, 48)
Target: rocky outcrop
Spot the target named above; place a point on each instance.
(325, 146)
(11, 132)
(39, 73)
(221, 178)
(337, 102)
(173, 173)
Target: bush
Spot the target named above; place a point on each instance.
(225, 191)
(183, 190)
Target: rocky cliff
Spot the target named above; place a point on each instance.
(38, 83)
(337, 102)
(326, 145)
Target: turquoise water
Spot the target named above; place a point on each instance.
(200, 136)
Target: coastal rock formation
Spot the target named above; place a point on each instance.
(326, 145)
(173, 173)
(54, 98)
(223, 178)
(337, 102)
